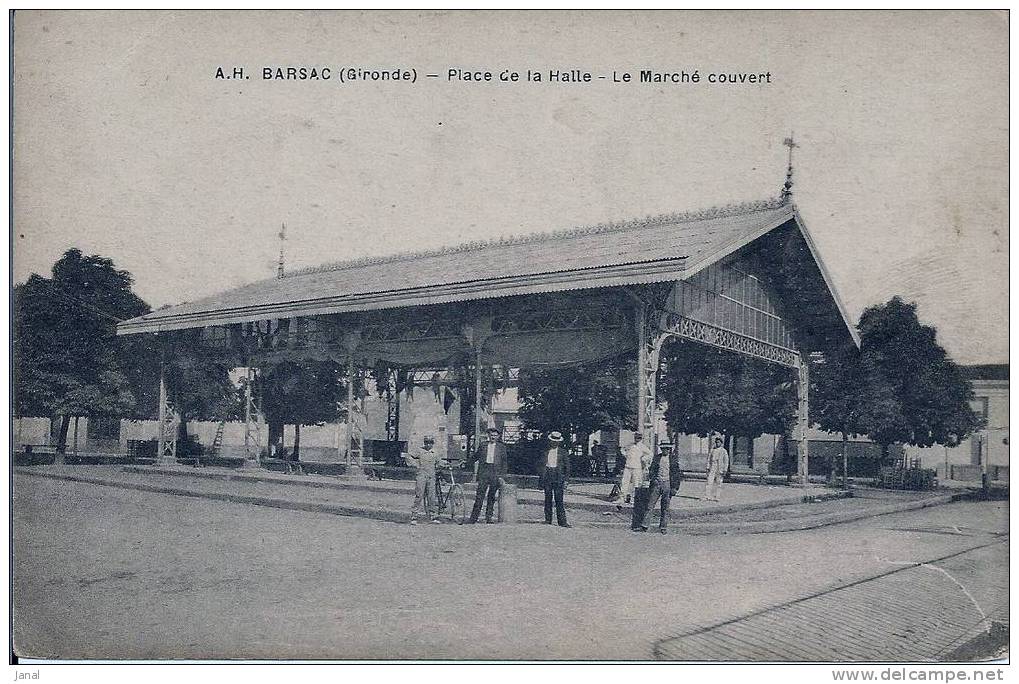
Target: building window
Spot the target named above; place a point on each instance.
(980, 406)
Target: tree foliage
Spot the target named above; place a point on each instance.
(932, 394)
(306, 393)
(199, 385)
(710, 390)
(851, 396)
(67, 358)
(899, 386)
(579, 399)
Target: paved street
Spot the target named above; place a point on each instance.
(102, 572)
(876, 619)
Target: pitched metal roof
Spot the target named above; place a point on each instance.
(654, 249)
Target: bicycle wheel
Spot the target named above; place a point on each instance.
(457, 504)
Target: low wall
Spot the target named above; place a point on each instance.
(318, 442)
(974, 473)
(34, 431)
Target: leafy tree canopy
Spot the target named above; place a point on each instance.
(579, 399)
(708, 390)
(309, 393)
(850, 396)
(67, 357)
(199, 385)
(932, 394)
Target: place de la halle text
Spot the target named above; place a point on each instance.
(463, 75)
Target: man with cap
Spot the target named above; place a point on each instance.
(425, 460)
(554, 467)
(492, 466)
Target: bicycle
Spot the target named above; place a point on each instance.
(452, 499)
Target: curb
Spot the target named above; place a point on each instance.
(271, 502)
(738, 508)
(680, 514)
(388, 515)
(813, 522)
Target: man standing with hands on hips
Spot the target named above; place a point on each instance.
(491, 460)
(554, 467)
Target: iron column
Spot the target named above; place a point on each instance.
(803, 419)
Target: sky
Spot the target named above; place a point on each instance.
(126, 145)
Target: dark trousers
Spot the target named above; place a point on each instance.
(657, 490)
(489, 483)
(554, 490)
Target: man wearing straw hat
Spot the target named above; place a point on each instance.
(554, 467)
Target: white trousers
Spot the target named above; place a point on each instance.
(631, 480)
(714, 482)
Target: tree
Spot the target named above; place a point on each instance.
(578, 400)
(932, 394)
(711, 390)
(850, 396)
(67, 358)
(199, 386)
(900, 386)
(307, 393)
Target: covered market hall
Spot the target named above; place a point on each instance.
(746, 279)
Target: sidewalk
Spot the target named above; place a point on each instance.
(744, 508)
(591, 497)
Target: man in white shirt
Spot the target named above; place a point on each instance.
(554, 470)
(718, 464)
(492, 467)
(638, 456)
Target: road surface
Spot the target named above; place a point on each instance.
(108, 573)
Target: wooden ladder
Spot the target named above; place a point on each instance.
(217, 442)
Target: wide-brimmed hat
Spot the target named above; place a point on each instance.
(555, 436)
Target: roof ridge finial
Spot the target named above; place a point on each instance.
(279, 265)
(787, 188)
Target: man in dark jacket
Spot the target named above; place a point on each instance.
(554, 470)
(492, 466)
(663, 482)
